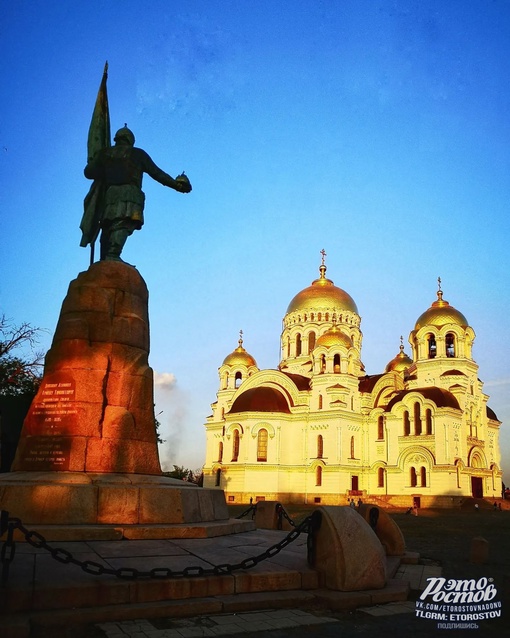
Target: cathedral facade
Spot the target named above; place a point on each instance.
(319, 430)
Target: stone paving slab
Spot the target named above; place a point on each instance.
(215, 625)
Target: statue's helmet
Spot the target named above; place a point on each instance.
(126, 134)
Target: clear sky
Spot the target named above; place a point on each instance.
(377, 130)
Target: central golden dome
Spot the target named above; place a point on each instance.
(322, 296)
(440, 314)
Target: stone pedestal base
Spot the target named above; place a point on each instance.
(151, 504)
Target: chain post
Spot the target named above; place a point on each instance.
(4, 521)
(314, 525)
(7, 553)
(279, 511)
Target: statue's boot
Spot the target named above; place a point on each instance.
(117, 240)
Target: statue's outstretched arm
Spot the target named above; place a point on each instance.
(181, 183)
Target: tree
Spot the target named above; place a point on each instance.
(182, 473)
(19, 374)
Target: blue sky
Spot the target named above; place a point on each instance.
(379, 131)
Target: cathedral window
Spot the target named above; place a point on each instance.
(320, 401)
(380, 477)
(380, 428)
(327, 316)
(352, 448)
(323, 363)
(320, 446)
(417, 419)
(428, 421)
(288, 346)
(450, 345)
(311, 342)
(318, 476)
(407, 424)
(423, 476)
(218, 478)
(262, 445)
(235, 445)
(432, 346)
(413, 477)
(220, 452)
(239, 379)
(336, 363)
(298, 345)
(319, 316)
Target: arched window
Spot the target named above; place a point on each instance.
(311, 342)
(235, 445)
(380, 477)
(220, 452)
(336, 363)
(428, 421)
(432, 346)
(423, 476)
(318, 476)
(320, 401)
(323, 363)
(288, 346)
(262, 445)
(417, 419)
(320, 446)
(319, 316)
(380, 428)
(407, 424)
(222, 413)
(352, 448)
(298, 345)
(218, 478)
(450, 345)
(413, 477)
(239, 379)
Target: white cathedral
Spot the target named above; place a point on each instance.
(320, 430)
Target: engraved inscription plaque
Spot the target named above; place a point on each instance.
(54, 411)
(46, 453)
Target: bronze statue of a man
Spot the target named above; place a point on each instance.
(118, 171)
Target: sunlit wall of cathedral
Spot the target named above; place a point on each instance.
(318, 429)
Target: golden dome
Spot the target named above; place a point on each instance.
(239, 356)
(322, 295)
(440, 314)
(334, 337)
(401, 362)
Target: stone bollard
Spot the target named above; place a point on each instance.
(479, 551)
(387, 531)
(348, 554)
(266, 516)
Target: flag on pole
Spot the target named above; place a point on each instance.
(99, 138)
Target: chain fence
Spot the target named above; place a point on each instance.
(7, 524)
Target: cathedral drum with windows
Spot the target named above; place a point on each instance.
(320, 430)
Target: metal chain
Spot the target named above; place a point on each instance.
(91, 567)
(280, 510)
(252, 508)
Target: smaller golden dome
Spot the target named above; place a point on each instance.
(334, 337)
(401, 362)
(239, 356)
(440, 314)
